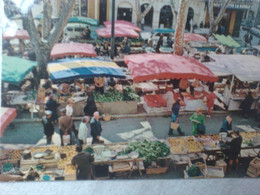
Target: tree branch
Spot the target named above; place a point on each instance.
(221, 12)
(47, 12)
(64, 16)
(146, 11)
(210, 10)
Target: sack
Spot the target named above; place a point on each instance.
(201, 129)
(66, 139)
(175, 125)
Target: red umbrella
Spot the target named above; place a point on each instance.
(193, 37)
(123, 24)
(68, 49)
(7, 116)
(149, 66)
(119, 32)
(19, 34)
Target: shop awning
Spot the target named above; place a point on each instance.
(70, 69)
(226, 40)
(68, 49)
(144, 67)
(164, 30)
(188, 37)
(123, 24)
(19, 34)
(244, 67)
(7, 116)
(84, 20)
(119, 32)
(218, 69)
(14, 69)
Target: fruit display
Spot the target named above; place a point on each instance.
(70, 152)
(191, 145)
(205, 140)
(16, 154)
(215, 137)
(70, 169)
(55, 149)
(177, 145)
(247, 136)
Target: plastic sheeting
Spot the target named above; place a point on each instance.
(19, 34)
(244, 67)
(144, 67)
(7, 116)
(70, 69)
(84, 20)
(68, 49)
(14, 69)
(119, 32)
(226, 40)
(193, 37)
(123, 24)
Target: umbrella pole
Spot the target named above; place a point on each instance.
(113, 30)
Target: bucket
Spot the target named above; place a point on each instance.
(106, 117)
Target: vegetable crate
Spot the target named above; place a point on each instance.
(162, 168)
(254, 168)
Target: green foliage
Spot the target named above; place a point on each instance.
(194, 171)
(89, 150)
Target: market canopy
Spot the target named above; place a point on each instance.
(144, 67)
(119, 32)
(7, 116)
(84, 20)
(188, 37)
(244, 67)
(226, 40)
(68, 49)
(19, 34)
(14, 69)
(70, 69)
(122, 24)
(164, 30)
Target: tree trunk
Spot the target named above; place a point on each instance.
(214, 24)
(179, 32)
(43, 57)
(139, 14)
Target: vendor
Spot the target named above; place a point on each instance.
(83, 162)
(64, 89)
(227, 124)
(99, 84)
(111, 82)
(184, 85)
(106, 49)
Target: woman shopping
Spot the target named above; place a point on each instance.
(198, 122)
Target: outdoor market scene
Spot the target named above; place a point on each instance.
(119, 89)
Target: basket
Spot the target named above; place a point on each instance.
(160, 170)
(106, 117)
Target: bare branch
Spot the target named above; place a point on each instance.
(146, 11)
(64, 16)
(47, 12)
(210, 10)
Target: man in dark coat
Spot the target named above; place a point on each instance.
(83, 162)
(246, 104)
(65, 125)
(52, 105)
(48, 126)
(159, 44)
(90, 106)
(96, 128)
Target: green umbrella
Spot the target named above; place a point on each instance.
(84, 20)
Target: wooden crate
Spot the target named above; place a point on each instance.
(159, 170)
(214, 172)
(222, 163)
(70, 177)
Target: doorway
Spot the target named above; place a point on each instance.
(166, 17)
(102, 11)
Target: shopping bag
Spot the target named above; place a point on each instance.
(66, 139)
(175, 125)
(201, 129)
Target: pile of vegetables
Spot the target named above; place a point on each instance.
(89, 150)
(149, 150)
(128, 94)
(194, 171)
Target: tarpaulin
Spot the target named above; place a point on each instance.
(68, 49)
(226, 40)
(164, 30)
(84, 20)
(70, 69)
(122, 24)
(119, 32)
(193, 37)
(14, 69)
(244, 67)
(19, 34)
(149, 66)
(7, 116)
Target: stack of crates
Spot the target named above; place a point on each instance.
(254, 168)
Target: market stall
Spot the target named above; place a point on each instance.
(226, 41)
(119, 32)
(84, 20)
(192, 37)
(123, 24)
(7, 116)
(246, 69)
(61, 50)
(19, 34)
(146, 67)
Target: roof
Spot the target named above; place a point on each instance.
(244, 67)
(14, 69)
(226, 40)
(149, 66)
(70, 69)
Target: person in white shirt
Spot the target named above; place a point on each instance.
(69, 108)
(169, 97)
(83, 130)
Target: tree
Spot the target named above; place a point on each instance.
(140, 15)
(179, 32)
(214, 22)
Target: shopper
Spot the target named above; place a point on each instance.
(159, 44)
(52, 105)
(69, 108)
(48, 126)
(246, 104)
(83, 162)
(65, 125)
(210, 102)
(99, 84)
(96, 128)
(227, 125)
(198, 122)
(175, 117)
(169, 97)
(90, 106)
(83, 130)
(64, 89)
(248, 39)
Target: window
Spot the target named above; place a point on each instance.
(79, 29)
(69, 29)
